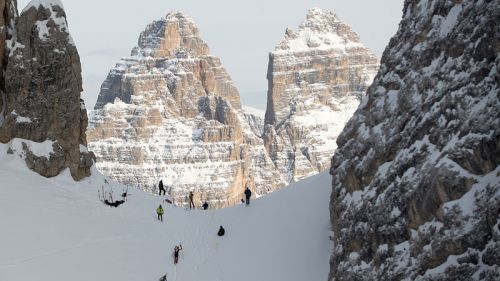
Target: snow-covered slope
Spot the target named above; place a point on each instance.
(57, 229)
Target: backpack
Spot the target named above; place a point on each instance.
(221, 232)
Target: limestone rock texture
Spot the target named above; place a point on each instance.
(170, 111)
(316, 78)
(41, 86)
(416, 176)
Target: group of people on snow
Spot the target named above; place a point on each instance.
(160, 211)
(162, 191)
(221, 232)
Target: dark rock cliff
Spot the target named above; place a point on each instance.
(42, 85)
(416, 176)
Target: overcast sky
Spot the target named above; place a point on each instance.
(241, 33)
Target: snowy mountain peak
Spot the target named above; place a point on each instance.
(44, 3)
(322, 30)
(179, 16)
(172, 112)
(174, 36)
(316, 78)
(317, 18)
(52, 21)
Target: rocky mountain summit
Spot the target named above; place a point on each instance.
(416, 176)
(316, 77)
(170, 111)
(41, 86)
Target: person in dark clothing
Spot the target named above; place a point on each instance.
(161, 188)
(163, 278)
(159, 211)
(177, 249)
(248, 194)
(205, 205)
(191, 203)
(222, 231)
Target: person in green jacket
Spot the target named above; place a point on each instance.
(159, 211)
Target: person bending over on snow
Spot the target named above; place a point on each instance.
(205, 205)
(163, 278)
(221, 231)
(160, 186)
(248, 194)
(159, 211)
(177, 249)
(191, 203)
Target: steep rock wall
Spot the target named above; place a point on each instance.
(42, 80)
(416, 176)
(170, 111)
(316, 77)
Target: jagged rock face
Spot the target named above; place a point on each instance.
(316, 78)
(171, 112)
(42, 90)
(416, 176)
(177, 36)
(8, 16)
(171, 47)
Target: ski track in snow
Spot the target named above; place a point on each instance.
(55, 252)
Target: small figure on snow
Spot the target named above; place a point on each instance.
(163, 278)
(159, 211)
(191, 203)
(169, 199)
(222, 231)
(162, 189)
(205, 205)
(125, 194)
(248, 194)
(177, 249)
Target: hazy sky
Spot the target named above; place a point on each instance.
(241, 33)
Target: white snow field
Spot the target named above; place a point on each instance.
(57, 229)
